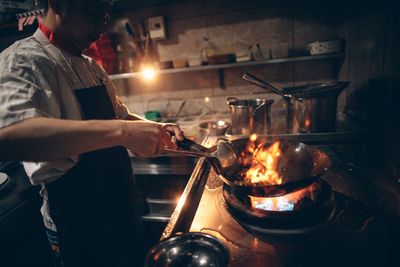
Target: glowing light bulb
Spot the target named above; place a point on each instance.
(149, 73)
(206, 99)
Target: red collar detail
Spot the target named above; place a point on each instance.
(59, 41)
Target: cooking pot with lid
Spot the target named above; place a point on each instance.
(310, 108)
(316, 107)
(250, 116)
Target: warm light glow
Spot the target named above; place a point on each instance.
(221, 123)
(206, 99)
(148, 73)
(253, 137)
(264, 164)
(255, 243)
(307, 123)
(181, 202)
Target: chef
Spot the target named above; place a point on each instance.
(59, 113)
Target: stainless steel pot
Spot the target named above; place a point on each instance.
(250, 116)
(315, 115)
(213, 127)
(310, 108)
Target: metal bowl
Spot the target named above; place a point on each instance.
(189, 249)
(214, 127)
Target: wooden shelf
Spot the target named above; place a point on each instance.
(232, 65)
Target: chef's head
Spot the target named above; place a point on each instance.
(80, 21)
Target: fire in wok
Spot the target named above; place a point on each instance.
(268, 169)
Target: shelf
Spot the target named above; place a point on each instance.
(232, 65)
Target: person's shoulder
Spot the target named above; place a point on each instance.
(90, 61)
(94, 65)
(26, 51)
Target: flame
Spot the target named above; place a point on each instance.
(263, 168)
(264, 163)
(307, 123)
(281, 203)
(253, 137)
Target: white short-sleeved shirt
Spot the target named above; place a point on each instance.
(38, 80)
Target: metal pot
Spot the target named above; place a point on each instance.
(250, 116)
(310, 108)
(314, 112)
(213, 127)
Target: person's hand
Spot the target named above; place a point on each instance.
(147, 139)
(175, 133)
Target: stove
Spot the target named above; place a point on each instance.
(314, 209)
(339, 229)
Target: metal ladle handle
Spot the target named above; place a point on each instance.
(254, 80)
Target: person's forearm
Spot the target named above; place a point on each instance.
(40, 139)
(134, 117)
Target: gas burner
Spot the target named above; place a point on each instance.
(299, 212)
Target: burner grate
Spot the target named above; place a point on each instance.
(304, 220)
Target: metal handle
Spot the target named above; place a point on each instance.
(186, 152)
(190, 145)
(254, 80)
(134, 39)
(230, 100)
(257, 108)
(180, 108)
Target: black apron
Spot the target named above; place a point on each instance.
(93, 205)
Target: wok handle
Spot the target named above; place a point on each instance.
(190, 145)
(185, 152)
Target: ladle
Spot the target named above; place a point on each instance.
(254, 80)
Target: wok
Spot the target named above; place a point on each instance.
(299, 166)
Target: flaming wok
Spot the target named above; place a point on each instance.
(256, 167)
(266, 169)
